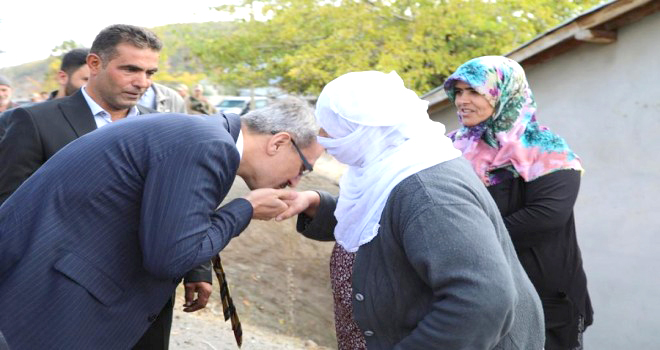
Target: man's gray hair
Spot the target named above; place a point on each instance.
(293, 115)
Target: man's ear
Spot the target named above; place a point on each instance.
(277, 142)
(95, 63)
(62, 78)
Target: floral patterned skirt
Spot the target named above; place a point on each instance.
(349, 336)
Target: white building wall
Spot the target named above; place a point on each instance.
(605, 101)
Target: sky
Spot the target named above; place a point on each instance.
(30, 29)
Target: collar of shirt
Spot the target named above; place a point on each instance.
(148, 99)
(239, 144)
(101, 116)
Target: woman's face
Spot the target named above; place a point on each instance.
(473, 108)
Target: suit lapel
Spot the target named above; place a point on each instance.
(77, 113)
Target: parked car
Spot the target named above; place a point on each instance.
(241, 104)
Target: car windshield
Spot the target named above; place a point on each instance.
(232, 104)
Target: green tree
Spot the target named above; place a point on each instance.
(178, 64)
(65, 47)
(307, 43)
(240, 55)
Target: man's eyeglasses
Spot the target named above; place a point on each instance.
(307, 167)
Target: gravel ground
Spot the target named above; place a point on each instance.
(204, 330)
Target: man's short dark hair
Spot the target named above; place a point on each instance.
(105, 43)
(73, 59)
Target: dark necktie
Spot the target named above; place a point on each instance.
(227, 303)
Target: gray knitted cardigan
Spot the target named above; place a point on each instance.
(442, 272)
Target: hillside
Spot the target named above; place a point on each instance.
(27, 78)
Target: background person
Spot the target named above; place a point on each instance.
(182, 90)
(35, 97)
(534, 178)
(73, 74)
(423, 260)
(198, 103)
(163, 99)
(6, 95)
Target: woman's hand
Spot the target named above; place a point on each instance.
(268, 203)
(306, 202)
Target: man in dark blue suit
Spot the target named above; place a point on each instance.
(120, 65)
(94, 243)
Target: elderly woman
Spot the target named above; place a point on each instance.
(423, 259)
(534, 178)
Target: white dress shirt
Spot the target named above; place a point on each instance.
(101, 116)
(239, 144)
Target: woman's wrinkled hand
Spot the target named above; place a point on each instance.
(306, 202)
(267, 203)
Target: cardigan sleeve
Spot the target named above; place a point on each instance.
(548, 205)
(455, 250)
(322, 226)
(202, 273)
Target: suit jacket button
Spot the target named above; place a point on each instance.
(359, 297)
(152, 318)
(368, 333)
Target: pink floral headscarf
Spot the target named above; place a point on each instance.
(511, 138)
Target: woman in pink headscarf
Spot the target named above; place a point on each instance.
(534, 178)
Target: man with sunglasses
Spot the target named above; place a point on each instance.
(112, 222)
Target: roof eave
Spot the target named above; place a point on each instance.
(566, 36)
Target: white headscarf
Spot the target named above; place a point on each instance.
(381, 130)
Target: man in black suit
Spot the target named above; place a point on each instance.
(73, 74)
(119, 75)
(121, 62)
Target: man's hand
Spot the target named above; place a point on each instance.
(267, 203)
(203, 290)
(306, 202)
